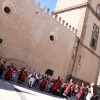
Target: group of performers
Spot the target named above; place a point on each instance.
(44, 83)
(12, 72)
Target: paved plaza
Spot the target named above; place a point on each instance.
(15, 91)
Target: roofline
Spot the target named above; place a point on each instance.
(83, 5)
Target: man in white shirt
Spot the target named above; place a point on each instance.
(32, 76)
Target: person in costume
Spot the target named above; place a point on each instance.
(8, 75)
(22, 75)
(32, 76)
(59, 90)
(48, 85)
(90, 91)
(81, 95)
(14, 73)
(63, 87)
(44, 82)
(4, 68)
(36, 80)
(76, 89)
(69, 89)
(40, 79)
(55, 86)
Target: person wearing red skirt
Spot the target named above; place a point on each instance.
(69, 89)
(22, 75)
(8, 75)
(55, 86)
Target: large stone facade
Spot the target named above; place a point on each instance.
(82, 15)
(26, 32)
(36, 40)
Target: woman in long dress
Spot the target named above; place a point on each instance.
(22, 74)
(81, 94)
(69, 89)
(55, 86)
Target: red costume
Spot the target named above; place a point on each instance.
(69, 86)
(68, 89)
(22, 75)
(43, 84)
(8, 75)
(82, 89)
(55, 86)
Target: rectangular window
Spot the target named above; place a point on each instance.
(94, 37)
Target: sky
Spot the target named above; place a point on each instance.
(48, 3)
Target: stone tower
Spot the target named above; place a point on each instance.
(84, 15)
(72, 12)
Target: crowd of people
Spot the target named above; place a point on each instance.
(66, 89)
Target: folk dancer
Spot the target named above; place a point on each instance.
(81, 94)
(44, 82)
(90, 91)
(55, 86)
(8, 75)
(14, 73)
(32, 76)
(69, 89)
(22, 75)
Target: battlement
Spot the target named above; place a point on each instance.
(59, 19)
(43, 10)
(67, 25)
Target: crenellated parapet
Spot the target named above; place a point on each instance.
(13, 11)
(67, 25)
(59, 19)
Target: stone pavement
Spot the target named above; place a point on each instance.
(15, 91)
(7, 92)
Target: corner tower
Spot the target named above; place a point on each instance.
(84, 15)
(72, 12)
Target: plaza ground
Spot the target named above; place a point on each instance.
(15, 91)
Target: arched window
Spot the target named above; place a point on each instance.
(98, 9)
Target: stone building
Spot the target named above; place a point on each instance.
(84, 15)
(65, 41)
(34, 39)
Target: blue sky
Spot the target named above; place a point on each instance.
(48, 3)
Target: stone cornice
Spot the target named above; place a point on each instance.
(70, 8)
(78, 7)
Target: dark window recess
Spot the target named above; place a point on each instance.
(1, 40)
(93, 42)
(7, 10)
(51, 37)
(94, 37)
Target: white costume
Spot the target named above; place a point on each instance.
(90, 93)
(32, 79)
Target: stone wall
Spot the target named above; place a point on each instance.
(26, 35)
